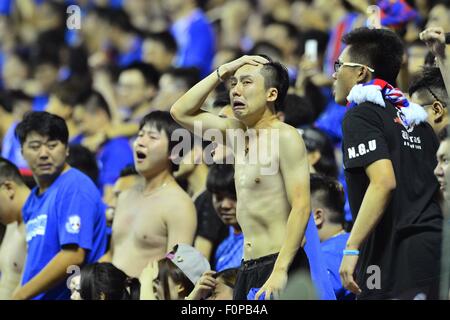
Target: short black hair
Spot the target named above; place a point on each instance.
(276, 76)
(431, 82)
(45, 124)
(148, 71)
(266, 49)
(163, 121)
(165, 38)
(443, 134)
(380, 49)
(298, 111)
(187, 76)
(84, 160)
(315, 139)
(221, 179)
(105, 278)
(95, 101)
(118, 18)
(9, 171)
(445, 3)
(330, 194)
(291, 30)
(71, 91)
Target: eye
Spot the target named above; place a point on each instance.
(246, 82)
(34, 147)
(52, 146)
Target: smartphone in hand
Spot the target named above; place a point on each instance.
(374, 17)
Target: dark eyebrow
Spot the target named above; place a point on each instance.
(245, 76)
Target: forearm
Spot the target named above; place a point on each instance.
(53, 273)
(191, 102)
(444, 66)
(123, 129)
(374, 204)
(295, 231)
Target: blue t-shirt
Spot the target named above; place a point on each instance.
(133, 55)
(332, 249)
(230, 251)
(40, 103)
(317, 266)
(11, 148)
(196, 45)
(112, 157)
(69, 212)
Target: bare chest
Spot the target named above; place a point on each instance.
(141, 221)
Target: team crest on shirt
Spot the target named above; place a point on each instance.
(73, 224)
(400, 119)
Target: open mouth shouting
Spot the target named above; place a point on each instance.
(140, 156)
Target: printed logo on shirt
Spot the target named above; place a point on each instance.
(36, 227)
(400, 119)
(73, 224)
(362, 149)
(411, 141)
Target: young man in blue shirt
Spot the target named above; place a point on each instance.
(93, 117)
(64, 217)
(327, 206)
(220, 183)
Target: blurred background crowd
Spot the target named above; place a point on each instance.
(127, 58)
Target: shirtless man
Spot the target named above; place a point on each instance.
(13, 193)
(151, 218)
(272, 209)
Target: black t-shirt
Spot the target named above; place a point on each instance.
(412, 223)
(209, 225)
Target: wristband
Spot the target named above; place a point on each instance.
(218, 75)
(351, 252)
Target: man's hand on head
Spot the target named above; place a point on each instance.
(228, 69)
(434, 38)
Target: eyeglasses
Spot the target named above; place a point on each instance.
(435, 97)
(338, 64)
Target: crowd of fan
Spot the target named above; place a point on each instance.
(121, 72)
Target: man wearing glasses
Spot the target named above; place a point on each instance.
(429, 91)
(393, 250)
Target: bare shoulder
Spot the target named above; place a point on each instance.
(288, 134)
(183, 200)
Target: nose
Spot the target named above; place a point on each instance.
(43, 152)
(226, 203)
(236, 90)
(140, 141)
(438, 172)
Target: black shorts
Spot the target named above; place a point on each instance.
(254, 273)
